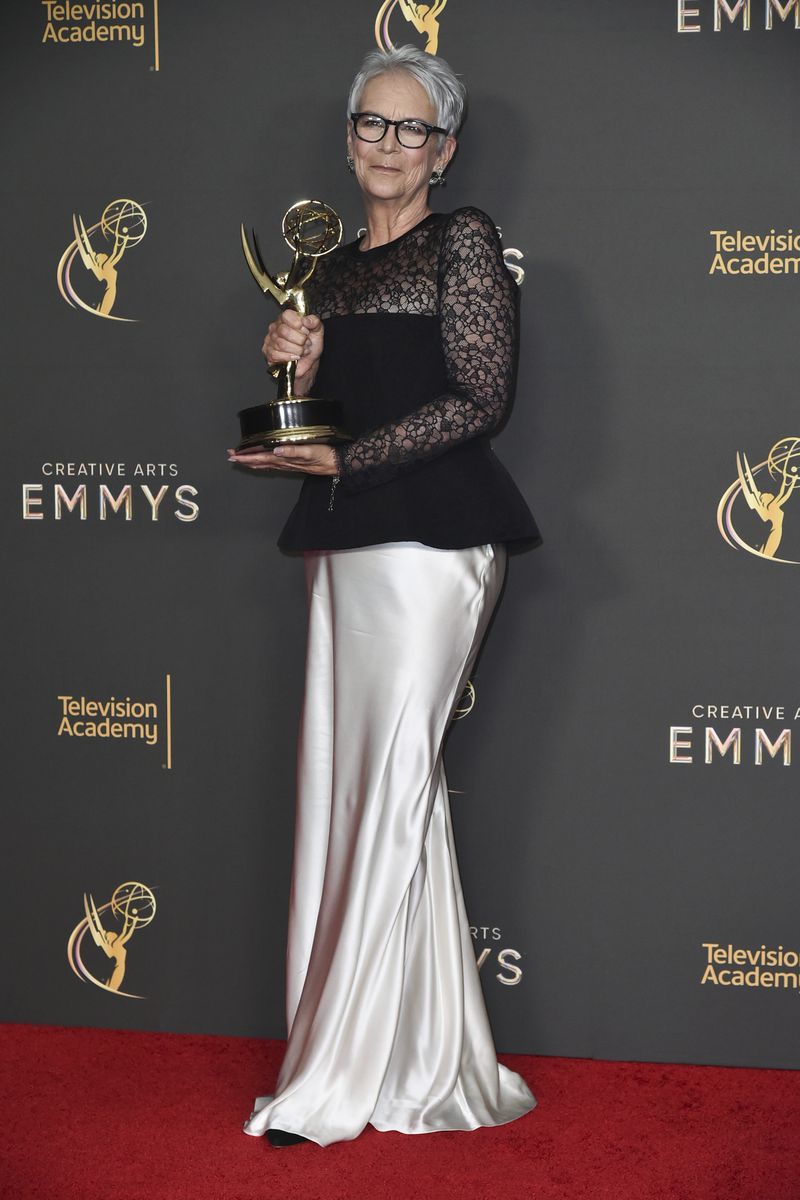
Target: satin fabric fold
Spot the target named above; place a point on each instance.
(386, 1018)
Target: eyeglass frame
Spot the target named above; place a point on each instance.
(406, 120)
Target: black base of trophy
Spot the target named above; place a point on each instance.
(268, 425)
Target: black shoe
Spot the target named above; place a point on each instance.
(279, 1137)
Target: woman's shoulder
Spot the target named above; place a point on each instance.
(469, 229)
(469, 233)
(469, 219)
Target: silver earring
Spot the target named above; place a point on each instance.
(437, 177)
(350, 165)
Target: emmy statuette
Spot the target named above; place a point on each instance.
(310, 229)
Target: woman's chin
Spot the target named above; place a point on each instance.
(386, 187)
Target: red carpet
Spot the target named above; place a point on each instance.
(97, 1115)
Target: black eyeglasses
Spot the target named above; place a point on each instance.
(369, 127)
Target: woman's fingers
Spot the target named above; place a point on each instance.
(293, 337)
(316, 459)
(289, 328)
(255, 463)
(260, 461)
(268, 459)
(289, 341)
(291, 318)
(298, 453)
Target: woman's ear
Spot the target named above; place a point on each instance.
(447, 151)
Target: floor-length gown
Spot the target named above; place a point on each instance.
(386, 1018)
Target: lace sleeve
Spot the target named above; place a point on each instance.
(478, 315)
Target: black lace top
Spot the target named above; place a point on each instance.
(420, 348)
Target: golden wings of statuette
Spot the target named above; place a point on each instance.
(286, 286)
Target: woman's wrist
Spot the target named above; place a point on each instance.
(304, 384)
(338, 463)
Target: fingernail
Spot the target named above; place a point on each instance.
(279, 450)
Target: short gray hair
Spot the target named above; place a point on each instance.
(445, 90)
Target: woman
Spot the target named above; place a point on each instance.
(404, 534)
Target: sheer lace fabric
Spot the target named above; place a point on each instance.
(451, 269)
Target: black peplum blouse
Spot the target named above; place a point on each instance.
(420, 348)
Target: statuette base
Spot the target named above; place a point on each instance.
(285, 421)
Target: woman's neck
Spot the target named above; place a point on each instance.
(388, 220)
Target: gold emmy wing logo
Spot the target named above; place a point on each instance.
(123, 224)
(133, 907)
(466, 702)
(512, 257)
(423, 17)
(766, 490)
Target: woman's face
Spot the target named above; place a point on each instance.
(385, 170)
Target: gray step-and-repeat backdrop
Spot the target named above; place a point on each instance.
(623, 779)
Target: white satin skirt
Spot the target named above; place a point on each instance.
(386, 1017)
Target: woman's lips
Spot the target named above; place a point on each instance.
(380, 167)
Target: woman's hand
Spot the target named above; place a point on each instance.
(295, 338)
(314, 459)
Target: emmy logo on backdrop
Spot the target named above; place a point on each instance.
(766, 489)
(423, 17)
(123, 224)
(513, 257)
(464, 706)
(132, 904)
(466, 702)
